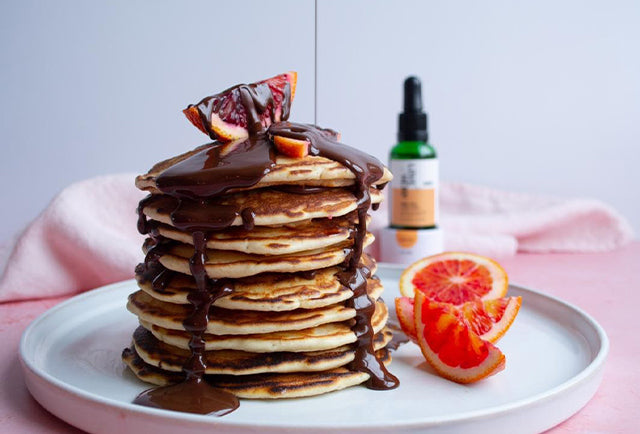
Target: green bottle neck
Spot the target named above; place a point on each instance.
(412, 149)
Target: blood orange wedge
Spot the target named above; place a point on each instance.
(291, 147)
(233, 113)
(404, 312)
(455, 277)
(450, 346)
(489, 319)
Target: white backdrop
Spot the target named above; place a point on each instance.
(537, 96)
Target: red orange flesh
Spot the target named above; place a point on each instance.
(455, 277)
(450, 346)
(291, 147)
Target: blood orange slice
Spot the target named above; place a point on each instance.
(450, 346)
(489, 319)
(404, 312)
(233, 113)
(455, 277)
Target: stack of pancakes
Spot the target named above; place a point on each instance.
(285, 327)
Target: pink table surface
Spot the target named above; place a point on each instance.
(606, 285)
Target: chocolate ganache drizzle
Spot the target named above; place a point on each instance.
(190, 185)
(188, 190)
(367, 170)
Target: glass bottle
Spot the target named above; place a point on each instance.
(414, 164)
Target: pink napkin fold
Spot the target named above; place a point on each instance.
(85, 238)
(498, 223)
(87, 235)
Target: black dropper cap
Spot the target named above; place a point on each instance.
(412, 122)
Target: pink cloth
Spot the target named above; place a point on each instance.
(499, 223)
(485, 220)
(87, 236)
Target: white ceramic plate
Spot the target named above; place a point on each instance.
(555, 355)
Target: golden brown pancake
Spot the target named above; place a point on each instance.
(322, 337)
(268, 292)
(235, 322)
(273, 240)
(259, 386)
(269, 206)
(224, 263)
(234, 362)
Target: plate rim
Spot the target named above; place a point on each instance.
(592, 369)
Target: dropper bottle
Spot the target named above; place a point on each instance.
(413, 232)
(414, 164)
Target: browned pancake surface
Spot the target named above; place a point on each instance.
(258, 386)
(321, 337)
(270, 207)
(268, 292)
(235, 362)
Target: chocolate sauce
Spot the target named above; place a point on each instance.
(299, 189)
(191, 396)
(189, 186)
(152, 271)
(219, 168)
(398, 339)
(143, 223)
(367, 170)
(307, 275)
(248, 218)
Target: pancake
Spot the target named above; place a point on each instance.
(235, 322)
(270, 207)
(259, 386)
(322, 337)
(267, 292)
(269, 240)
(229, 264)
(148, 373)
(311, 171)
(234, 362)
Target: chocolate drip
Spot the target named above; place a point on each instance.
(194, 395)
(255, 100)
(153, 272)
(143, 224)
(398, 339)
(207, 292)
(190, 396)
(299, 189)
(367, 170)
(219, 168)
(189, 187)
(248, 218)
(307, 275)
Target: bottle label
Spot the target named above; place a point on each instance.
(414, 192)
